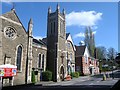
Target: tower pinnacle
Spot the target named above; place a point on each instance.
(49, 10)
(58, 8)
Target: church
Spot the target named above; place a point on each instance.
(18, 47)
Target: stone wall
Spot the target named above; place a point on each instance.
(9, 49)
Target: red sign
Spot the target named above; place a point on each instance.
(8, 72)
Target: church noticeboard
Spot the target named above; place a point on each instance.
(7, 72)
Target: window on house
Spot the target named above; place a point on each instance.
(43, 61)
(70, 56)
(19, 57)
(68, 45)
(66, 55)
(39, 62)
(86, 59)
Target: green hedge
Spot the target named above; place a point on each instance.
(46, 76)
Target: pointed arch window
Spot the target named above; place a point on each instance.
(39, 63)
(19, 57)
(43, 61)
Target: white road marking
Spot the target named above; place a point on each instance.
(91, 84)
(82, 80)
(98, 81)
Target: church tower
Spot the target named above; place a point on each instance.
(56, 50)
(29, 54)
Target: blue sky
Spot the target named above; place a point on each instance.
(102, 16)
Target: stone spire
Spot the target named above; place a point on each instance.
(31, 21)
(30, 27)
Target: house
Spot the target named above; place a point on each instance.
(85, 64)
(70, 53)
(82, 58)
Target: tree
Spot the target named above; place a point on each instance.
(92, 42)
(101, 52)
(89, 40)
(118, 58)
(86, 40)
(111, 53)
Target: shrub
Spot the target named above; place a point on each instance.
(72, 74)
(76, 74)
(33, 77)
(47, 76)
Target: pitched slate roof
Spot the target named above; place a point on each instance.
(44, 40)
(40, 42)
(67, 34)
(69, 38)
(80, 50)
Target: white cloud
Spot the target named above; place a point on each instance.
(7, 1)
(98, 45)
(83, 18)
(94, 32)
(79, 35)
(82, 35)
(82, 42)
(94, 27)
(38, 37)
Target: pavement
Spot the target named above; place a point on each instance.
(45, 83)
(82, 80)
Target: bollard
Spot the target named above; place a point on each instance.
(108, 76)
(104, 77)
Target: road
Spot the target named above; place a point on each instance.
(84, 82)
(89, 80)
